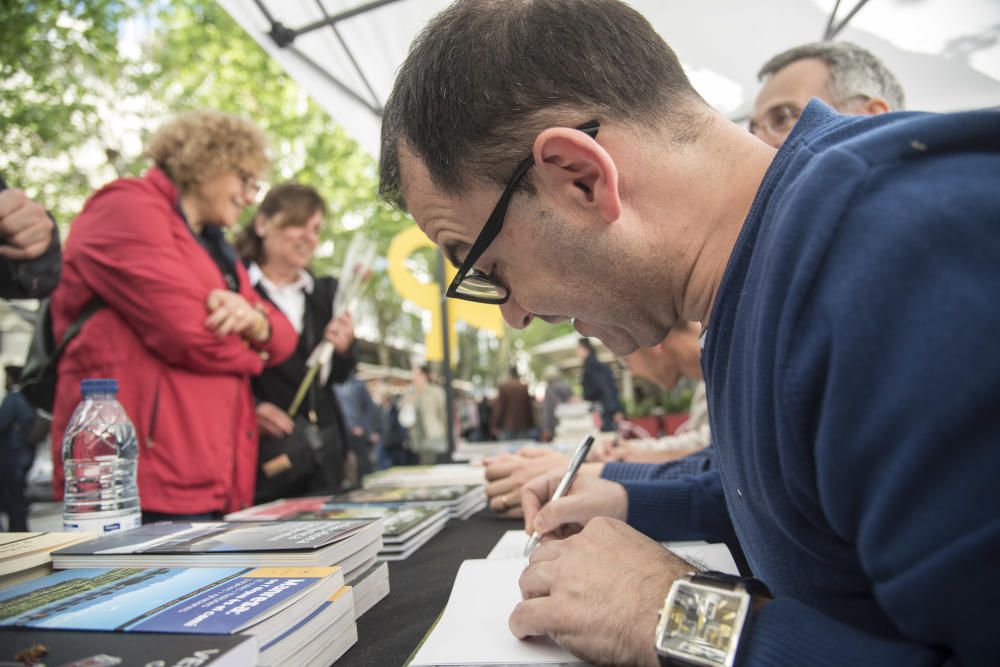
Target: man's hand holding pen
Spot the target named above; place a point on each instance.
(589, 497)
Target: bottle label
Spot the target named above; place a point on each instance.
(102, 524)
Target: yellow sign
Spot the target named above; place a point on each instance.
(428, 295)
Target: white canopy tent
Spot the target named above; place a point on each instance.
(946, 53)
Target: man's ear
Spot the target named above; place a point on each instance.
(874, 106)
(569, 164)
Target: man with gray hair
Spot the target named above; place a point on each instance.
(557, 152)
(849, 78)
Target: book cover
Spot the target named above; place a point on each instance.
(23, 551)
(219, 538)
(438, 495)
(430, 475)
(397, 521)
(172, 600)
(62, 647)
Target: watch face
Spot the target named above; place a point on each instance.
(701, 624)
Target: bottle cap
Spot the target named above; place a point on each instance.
(98, 386)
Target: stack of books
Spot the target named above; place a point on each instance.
(27, 556)
(294, 615)
(461, 501)
(442, 474)
(404, 529)
(348, 543)
(370, 584)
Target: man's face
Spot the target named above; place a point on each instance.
(783, 97)
(551, 274)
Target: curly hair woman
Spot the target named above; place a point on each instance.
(178, 324)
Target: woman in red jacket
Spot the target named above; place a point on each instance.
(181, 328)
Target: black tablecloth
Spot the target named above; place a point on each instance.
(419, 589)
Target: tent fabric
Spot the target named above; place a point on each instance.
(722, 43)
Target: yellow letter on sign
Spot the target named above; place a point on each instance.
(428, 295)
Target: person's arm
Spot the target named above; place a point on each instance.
(344, 364)
(905, 456)
(125, 249)
(30, 252)
(689, 508)
(281, 337)
(690, 465)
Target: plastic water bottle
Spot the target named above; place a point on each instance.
(99, 455)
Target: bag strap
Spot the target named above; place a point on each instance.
(88, 311)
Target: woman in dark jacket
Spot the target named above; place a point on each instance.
(278, 244)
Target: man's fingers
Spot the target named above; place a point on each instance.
(536, 493)
(536, 580)
(565, 510)
(503, 502)
(503, 485)
(532, 618)
(499, 469)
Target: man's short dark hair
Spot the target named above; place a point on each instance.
(12, 374)
(586, 344)
(853, 71)
(485, 76)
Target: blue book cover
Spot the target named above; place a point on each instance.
(219, 538)
(177, 600)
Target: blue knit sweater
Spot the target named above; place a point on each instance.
(853, 369)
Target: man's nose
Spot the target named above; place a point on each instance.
(515, 315)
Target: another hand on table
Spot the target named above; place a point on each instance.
(230, 313)
(589, 497)
(340, 332)
(25, 228)
(597, 593)
(272, 421)
(506, 473)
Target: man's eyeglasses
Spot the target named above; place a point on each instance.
(470, 283)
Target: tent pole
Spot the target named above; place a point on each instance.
(831, 30)
(449, 392)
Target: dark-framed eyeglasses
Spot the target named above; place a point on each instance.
(470, 283)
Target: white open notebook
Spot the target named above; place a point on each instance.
(702, 554)
(473, 628)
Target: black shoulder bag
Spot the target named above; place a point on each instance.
(38, 378)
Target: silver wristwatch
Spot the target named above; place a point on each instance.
(703, 618)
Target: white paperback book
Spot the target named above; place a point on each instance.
(473, 629)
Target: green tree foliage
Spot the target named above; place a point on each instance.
(66, 81)
(52, 52)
